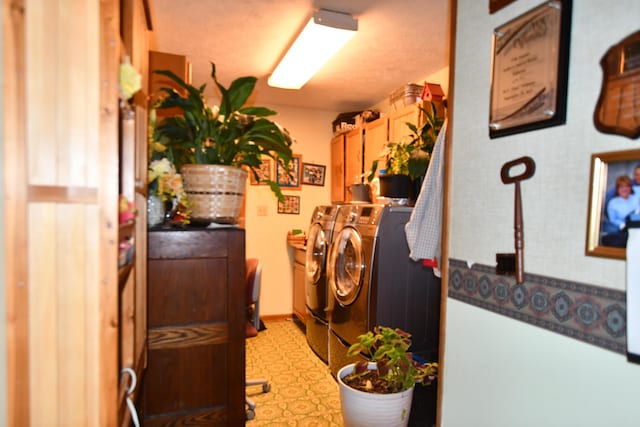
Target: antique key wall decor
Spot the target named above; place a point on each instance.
(506, 261)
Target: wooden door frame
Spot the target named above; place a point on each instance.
(14, 211)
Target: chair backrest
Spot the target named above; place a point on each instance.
(254, 276)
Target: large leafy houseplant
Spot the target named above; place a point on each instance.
(411, 155)
(396, 370)
(230, 134)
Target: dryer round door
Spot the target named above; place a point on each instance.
(346, 266)
(316, 253)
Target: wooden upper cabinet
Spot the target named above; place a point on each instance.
(337, 168)
(376, 135)
(353, 155)
(178, 64)
(398, 121)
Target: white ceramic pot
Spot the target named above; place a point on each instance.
(361, 409)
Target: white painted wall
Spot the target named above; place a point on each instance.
(498, 371)
(266, 236)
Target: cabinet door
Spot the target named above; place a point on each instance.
(398, 121)
(337, 168)
(353, 159)
(298, 285)
(179, 65)
(375, 137)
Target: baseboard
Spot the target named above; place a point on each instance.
(287, 316)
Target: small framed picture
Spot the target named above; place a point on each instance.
(291, 205)
(291, 179)
(264, 172)
(313, 174)
(614, 193)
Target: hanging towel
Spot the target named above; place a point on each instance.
(424, 229)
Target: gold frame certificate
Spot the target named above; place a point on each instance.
(529, 70)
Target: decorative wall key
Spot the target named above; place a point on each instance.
(507, 178)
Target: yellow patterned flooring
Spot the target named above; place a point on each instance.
(303, 392)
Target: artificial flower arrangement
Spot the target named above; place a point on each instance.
(129, 79)
(164, 182)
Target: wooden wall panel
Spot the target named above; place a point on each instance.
(108, 170)
(14, 169)
(43, 315)
(61, 169)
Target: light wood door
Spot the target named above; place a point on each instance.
(353, 155)
(398, 121)
(376, 135)
(337, 168)
(299, 274)
(65, 323)
(179, 65)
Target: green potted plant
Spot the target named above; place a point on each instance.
(378, 391)
(224, 140)
(406, 161)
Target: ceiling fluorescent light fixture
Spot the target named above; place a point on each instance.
(323, 36)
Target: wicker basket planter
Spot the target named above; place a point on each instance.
(215, 192)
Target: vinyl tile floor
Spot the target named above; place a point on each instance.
(303, 392)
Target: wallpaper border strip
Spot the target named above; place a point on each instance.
(589, 313)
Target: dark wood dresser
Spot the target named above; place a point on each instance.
(196, 336)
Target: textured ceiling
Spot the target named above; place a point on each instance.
(398, 42)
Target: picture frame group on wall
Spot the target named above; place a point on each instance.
(529, 70)
(313, 174)
(614, 193)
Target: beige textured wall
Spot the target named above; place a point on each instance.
(266, 235)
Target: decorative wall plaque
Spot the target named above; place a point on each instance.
(529, 70)
(618, 107)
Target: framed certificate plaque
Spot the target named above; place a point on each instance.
(529, 70)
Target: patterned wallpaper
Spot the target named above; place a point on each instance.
(592, 314)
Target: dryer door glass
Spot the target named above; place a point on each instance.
(347, 266)
(316, 253)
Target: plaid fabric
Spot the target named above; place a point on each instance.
(424, 229)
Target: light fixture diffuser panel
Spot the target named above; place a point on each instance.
(323, 36)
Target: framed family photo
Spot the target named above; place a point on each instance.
(313, 174)
(614, 193)
(289, 180)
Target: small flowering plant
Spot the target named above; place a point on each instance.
(166, 183)
(396, 369)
